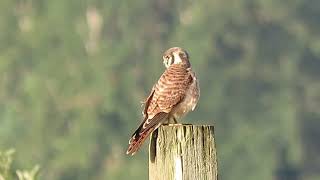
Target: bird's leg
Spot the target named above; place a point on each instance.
(172, 120)
(166, 122)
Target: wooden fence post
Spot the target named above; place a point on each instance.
(183, 152)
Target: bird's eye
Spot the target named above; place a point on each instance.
(167, 57)
(182, 55)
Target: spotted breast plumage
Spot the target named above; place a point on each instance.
(174, 95)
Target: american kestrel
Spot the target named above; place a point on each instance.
(174, 95)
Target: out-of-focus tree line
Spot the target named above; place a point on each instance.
(73, 73)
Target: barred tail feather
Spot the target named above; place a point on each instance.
(136, 141)
(144, 130)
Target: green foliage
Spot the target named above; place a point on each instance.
(72, 74)
(5, 163)
(6, 171)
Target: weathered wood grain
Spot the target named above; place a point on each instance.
(183, 152)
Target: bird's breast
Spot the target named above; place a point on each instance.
(190, 100)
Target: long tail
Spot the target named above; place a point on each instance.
(136, 141)
(143, 131)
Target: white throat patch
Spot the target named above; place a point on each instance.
(177, 58)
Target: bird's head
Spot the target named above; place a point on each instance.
(176, 55)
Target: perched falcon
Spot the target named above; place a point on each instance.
(174, 95)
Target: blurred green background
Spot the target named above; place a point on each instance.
(73, 73)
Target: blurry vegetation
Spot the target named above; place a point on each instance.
(6, 171)
(72, 74)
